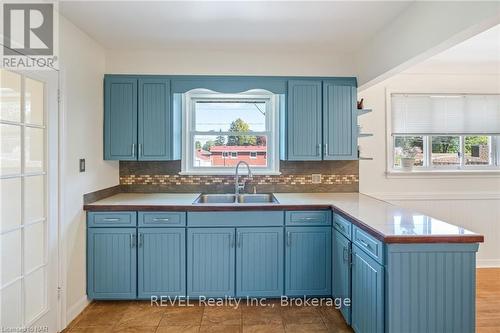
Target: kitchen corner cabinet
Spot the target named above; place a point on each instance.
(321, 120)
(341, 272)
(138, 119)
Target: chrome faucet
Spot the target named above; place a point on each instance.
(237, 186)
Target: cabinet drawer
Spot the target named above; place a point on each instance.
(342, 225)
(318, 217)
(235, 219)
(112, 219)
(373, 247)
(166, 219)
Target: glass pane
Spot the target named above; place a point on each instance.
(477, 150)
(10, 149)
(35, 294)
(409, 147)
(11, 310)
(33, 150)
(34, 246)
(33, 102)
(10, 203)
(230, 116)
(11, 256)
(34, 198)
(227, 151)
(445, 150)
(10, 96)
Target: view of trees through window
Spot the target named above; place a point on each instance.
(230, 131)
(449, 150)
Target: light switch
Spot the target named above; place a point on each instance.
(316, 178)
(82, 165)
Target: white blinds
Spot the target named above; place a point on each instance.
(445, 114)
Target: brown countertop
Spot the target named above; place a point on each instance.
(387, 222)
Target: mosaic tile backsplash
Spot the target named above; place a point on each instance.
(336, 176)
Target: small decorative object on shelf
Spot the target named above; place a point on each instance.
(408, 157)
(360, 104)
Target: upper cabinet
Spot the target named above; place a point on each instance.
(138, 119)
(339, 121)
(303, 122)
(142, 115)
(120, 119)
(321, 120)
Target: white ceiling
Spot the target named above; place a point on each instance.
(333, 26)
(477, 55)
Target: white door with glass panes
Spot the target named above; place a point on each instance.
(28, 199)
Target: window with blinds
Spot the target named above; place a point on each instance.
(445, 131)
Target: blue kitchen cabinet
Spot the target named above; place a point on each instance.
(367, 314)
(155, 120)
(340, 130)
(304, 117)
(111, 263)
(341, 272)
(120, 119)
(211, 262)
(161, 262)
(259, 262)
(308, 261)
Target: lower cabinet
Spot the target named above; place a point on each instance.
(219, 257)
(161, 262)
(259, 262)
(341, 271)
(367, 293)
(111, 263)
(211, 264)
(308, 261)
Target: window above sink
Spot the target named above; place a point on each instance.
(221, 130)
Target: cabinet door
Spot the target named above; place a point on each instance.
(111, 263)
(341, 272)
(120, 119)
(162, 262)
(340, 130)
(259, 262)
(211, 266)
(367, 293)
(304, 120)
(308, 261)
(155, 120)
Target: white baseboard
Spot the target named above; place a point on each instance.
(488, 263)
(76, 309)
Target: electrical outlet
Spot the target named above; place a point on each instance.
(316, 178)
(82, 165)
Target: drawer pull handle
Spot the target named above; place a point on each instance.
(133, 150)
(309, 218)
(161, 219)
(345, 254)
(365, 244)
(289, 238)
(111, 219)
(141, 239)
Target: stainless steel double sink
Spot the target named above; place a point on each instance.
(236, 198)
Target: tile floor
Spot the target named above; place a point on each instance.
(142, 317)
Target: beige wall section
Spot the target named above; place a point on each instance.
(469, 201)
(234, 62)
(82, 70)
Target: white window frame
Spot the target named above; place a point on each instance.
(189, 131)
(428, 168)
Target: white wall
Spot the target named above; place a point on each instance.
(229, 62)
(469, 201)
(82, 70)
